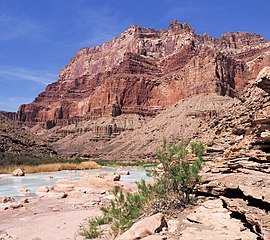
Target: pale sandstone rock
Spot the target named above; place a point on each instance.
(78, 197)
(263, 79)
(145, 227)
(54, 195)
(173, 225)
(23, 200)
(4, 207)
(122, 172)
(24, 190)
(64, 187)
(43, 189)
(49, 176)
(116, 177)
(15, 205)
(211, 221)
(18, 172)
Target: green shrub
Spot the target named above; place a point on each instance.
(91, 229)
(124, 210)
(172, 189)
(181, 171)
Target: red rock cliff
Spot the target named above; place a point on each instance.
(143, 69)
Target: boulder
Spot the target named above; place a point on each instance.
(15, 205)
(5, 199)
(116, 177)
(147, 226)
(212, 221)
(18, 172)
(43, 189)
(122, 172)
(24, 190)
(173, 225)
(64, 186)
(23, 200)
(49, 176)
(263, 79)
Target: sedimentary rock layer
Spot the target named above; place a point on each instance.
(144, 69)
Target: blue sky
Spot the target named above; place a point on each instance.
(38, 37)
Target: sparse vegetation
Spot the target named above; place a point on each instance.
(53, 167)
(90, 230)
(172, 189)
(122, 212)
(126, 163)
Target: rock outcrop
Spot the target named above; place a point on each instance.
(142, 71)
(16, 144)
(238, 157)
(145, 227)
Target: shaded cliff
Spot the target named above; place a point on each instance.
(18, 145)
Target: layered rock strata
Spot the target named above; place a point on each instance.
(142, 71)
(238, 157)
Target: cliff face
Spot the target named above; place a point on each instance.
(238, 156)
(143, 71)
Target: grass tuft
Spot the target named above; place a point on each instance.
(52, 167)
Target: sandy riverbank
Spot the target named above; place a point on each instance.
(57, 214)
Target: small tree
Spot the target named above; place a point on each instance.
(181, 169)
(179, 178)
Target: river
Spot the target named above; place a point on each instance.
(10, 185)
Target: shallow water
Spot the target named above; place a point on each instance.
(10, 185)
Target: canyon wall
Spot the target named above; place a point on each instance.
(143, 71)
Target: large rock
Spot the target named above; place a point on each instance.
(4, 199)
(263, 79)
(147, 226)
(212, 222)
(18, 172)
(43, 189)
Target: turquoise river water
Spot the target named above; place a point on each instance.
(9, 186)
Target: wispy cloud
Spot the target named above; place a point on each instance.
(19, 73)
(12, 104)
(100, 24)
(15, 27)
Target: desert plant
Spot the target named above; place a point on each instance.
(90, 230)
(172, 189)
(181, 170)
(124, 210)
